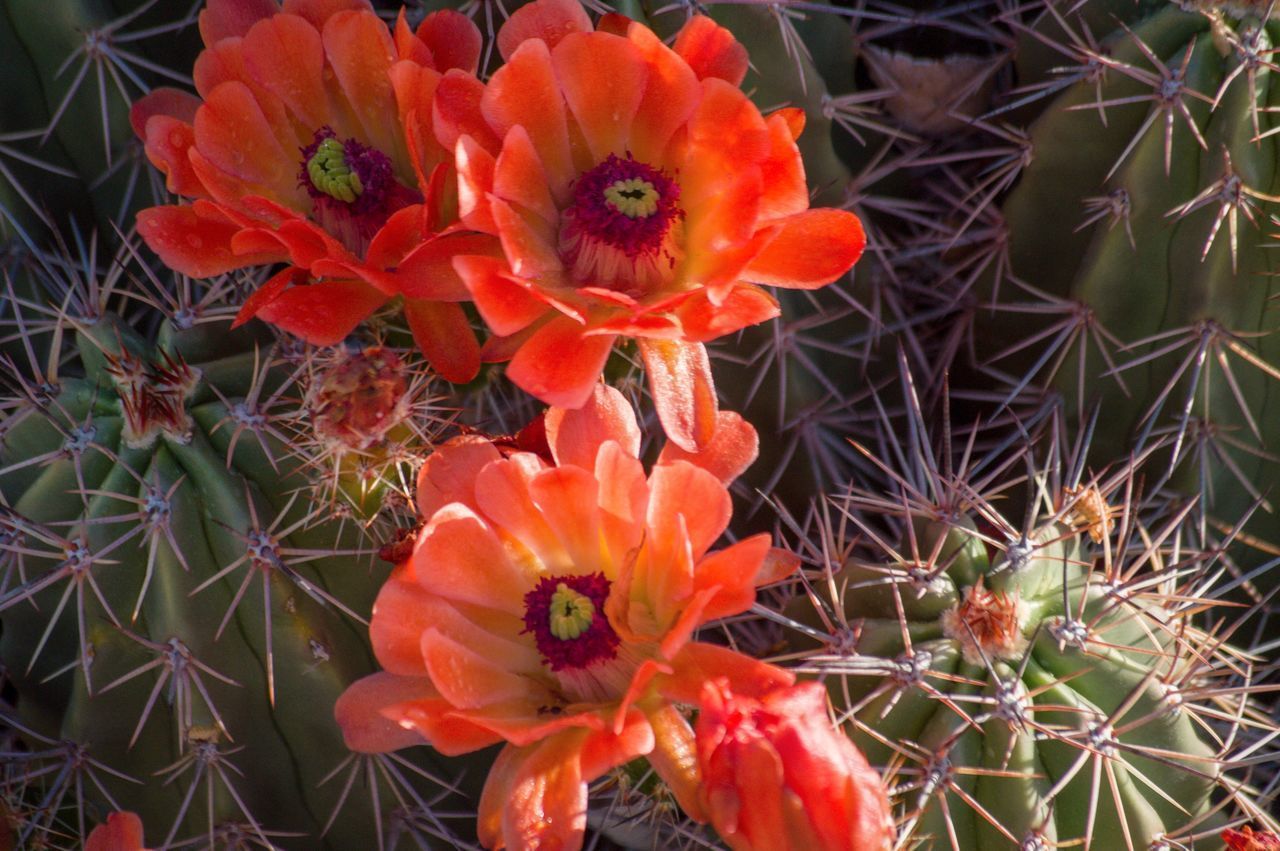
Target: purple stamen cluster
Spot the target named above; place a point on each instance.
(597, 643)
(593, 216)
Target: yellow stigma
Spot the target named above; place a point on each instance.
(330, 173)
(571, 613)
(632, 197)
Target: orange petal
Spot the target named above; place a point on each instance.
(167, 142)
(525, 92)
(603, 79)
(502, 493)
(623, 498)
(529, 246)
(558, 364)
(234, 134)
(453, 38)
(449, 474)
(545, 20)
(395, 631)
(319, 11)
(518, 177)
(415, 88)
(322, 313)
(732, 572)
(360, 52)
(702, 319)
(785, 190)
(122, 831)
(675, 758)
(810, 250)
(221, 19)
(475, 180)
(681, 489)
(268, 292)
(437, 721)
(575, 436)
(456, 112)
(428, 272)
(505, 303)
(163, 100)
(683, 392)
(467, 678)
(568, 499)
(698, 663)
(194, 244)
(671, 92)
(712, 51)
(443, 332)
(733, 448)
(358, 712)
(459, 557)
(285, 56)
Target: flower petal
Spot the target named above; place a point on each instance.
(712, 51)
(568, 499)
(528, 245)
(469, 678)
(733, 572)
(733, 448)
(317, 12)
(809, 250)
(683, 490)
(502, 492)
(558, 364)
(443, 332)
(785, 190)
(475, 183)
(427, 271)
(525, 92)
(518, 177)
(603, 80)
(236, 136)
(122, 831)
(286, 57)
(459, 557)
(358, 711)
(449, 474)
(196, 241)
(454, 40)
(361, 52)
(670, 95)
(505, 303)
(703, 319)
(221, 19)
(544, 20)
(680, 381)
(697, 664)
(456, 112)
(322, 313)
(575, 436)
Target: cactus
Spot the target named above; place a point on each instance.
(177, 613)
(1037, 677)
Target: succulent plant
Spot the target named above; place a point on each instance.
(1033, 681)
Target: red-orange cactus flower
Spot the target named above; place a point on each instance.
(1245, 839)
(122, 831)
(550, 604)
(776, 775)
(637, 193)
(310, 144)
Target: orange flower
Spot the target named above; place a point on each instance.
(638, 193)
(310, 145)
(550, 606)
(778, 776)
(121, 832)
(1245, 839)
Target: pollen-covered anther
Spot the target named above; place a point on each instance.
(987, 625)
(566, 617)
(353, 188)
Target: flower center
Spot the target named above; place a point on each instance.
(331, 174)
(353, 188)
(618, 230)
(566, 617)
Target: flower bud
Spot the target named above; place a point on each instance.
(776, 775)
